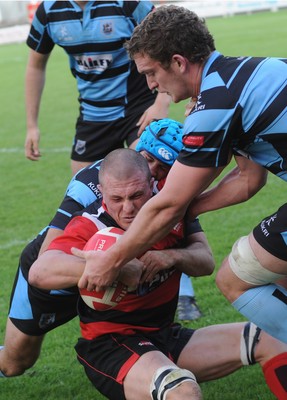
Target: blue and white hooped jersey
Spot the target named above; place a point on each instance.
(81, 192)
(242, 109)
(108, 82)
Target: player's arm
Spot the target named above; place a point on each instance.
(158, 110)
(153, 222)
(56, 270)
(194, 259)
(239, 185)
(52, 234)
(34, 85)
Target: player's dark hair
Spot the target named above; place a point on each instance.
(171, 30)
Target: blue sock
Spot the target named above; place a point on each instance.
(265, 306)
(186, 288)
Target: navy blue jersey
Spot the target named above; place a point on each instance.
(81, 192)
(109, 85)
(241, 109)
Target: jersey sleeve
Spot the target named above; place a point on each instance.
(192, 227)
(76, 234)
(81, 192)
(39, 39)
(137, 10)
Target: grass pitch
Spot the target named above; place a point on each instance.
(31, 192)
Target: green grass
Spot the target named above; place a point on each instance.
(31, 192)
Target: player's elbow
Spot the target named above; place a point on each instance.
(258, 182)
(36, 276)
(209, 265)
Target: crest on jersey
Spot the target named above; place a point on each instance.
(80, 147)
(107, 27)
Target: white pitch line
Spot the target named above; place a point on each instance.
(14, 243)
(47, 150)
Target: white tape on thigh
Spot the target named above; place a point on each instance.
(168, 378)
(246, 266)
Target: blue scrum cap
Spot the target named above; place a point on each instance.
(162, 139)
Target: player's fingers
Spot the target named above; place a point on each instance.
(83, 283)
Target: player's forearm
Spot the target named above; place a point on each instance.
(195, 259)
(56, 270)
(236, 187)
(34, 85)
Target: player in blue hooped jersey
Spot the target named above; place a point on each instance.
(115, 101)
(239, 110)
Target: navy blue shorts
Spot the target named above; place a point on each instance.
(108, 359)
(271, 233)
(94, 140)
(35, 311)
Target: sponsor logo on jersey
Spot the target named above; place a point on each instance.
(164, 153)
(64, 35)
(95, 189)
(196, 141)
(265, 224)
(99, 62)
(145, 343)
(198, 105)
(158, 279)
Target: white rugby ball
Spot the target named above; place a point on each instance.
(112, 295)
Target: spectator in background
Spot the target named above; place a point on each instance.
(115, 101)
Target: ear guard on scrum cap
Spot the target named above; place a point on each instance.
(162, 139)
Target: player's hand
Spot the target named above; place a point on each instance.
(154, 261)
(158, 110)
(131, 273)
(96, 276)
(32, 151)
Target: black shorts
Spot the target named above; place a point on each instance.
(271, 233)
(36, 312)
(108, 359)
(94, 140)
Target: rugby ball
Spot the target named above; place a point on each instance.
(111, 296)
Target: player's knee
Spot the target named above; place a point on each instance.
(246, 266)
(13, 369)
(168, 378)
(9, 366)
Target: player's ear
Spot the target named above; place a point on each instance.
(180, 62)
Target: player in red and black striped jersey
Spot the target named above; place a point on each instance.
(137, 344)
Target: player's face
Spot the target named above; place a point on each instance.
(164, 80)
(125, 198)
(158, 169)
